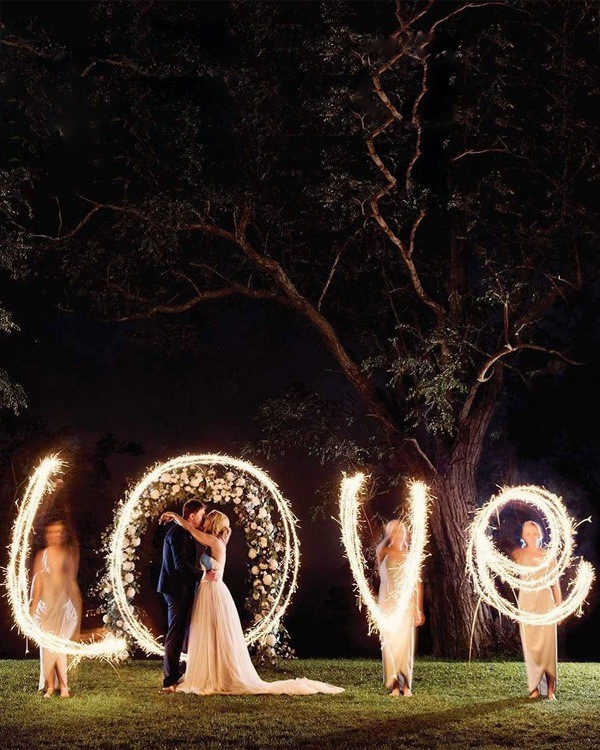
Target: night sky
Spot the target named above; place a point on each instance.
(92, 378)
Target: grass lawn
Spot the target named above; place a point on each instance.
(456, 706)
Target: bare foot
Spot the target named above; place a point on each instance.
(534, 693)
(170, 689)
(64, 693)
(407, 692)
(395, 692)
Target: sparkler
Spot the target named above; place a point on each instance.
(485, 563)
(291, 553)
(17, 574)
(416, 523)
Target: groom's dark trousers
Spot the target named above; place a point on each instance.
(177, 583)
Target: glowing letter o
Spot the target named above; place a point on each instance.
(291, 554)
(485, 562)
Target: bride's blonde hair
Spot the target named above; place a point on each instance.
(535, 525)
(217, 524)
(394, 527)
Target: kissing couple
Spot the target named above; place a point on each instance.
(217, 656)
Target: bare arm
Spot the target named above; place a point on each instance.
(37, 563)
(209, 540)
(556, 592)
(419, 614)
(36, 593)
(75, 595)
(72, 567)
(75, 555)
(381, 550)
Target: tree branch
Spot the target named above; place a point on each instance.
(126, 64)
(484, 377)
(23, 46)
(479, 152)
(291, 297)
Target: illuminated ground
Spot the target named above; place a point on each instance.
(456, 706)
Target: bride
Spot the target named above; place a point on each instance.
(218, 658)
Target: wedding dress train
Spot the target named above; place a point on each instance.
(218, 658)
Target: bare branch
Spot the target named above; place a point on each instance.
(242, 225)
(413, 231)
(60, 219)
(421, 452)
(125, 64)
(291, 298)
(59, 237)
(485, 375)
(334, 265)
(416, 121)
(462, 9)
(479, 152)
(167, 309)
(23, 46)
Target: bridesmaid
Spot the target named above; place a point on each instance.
(539, 641)
(55, 602)
(397, 648)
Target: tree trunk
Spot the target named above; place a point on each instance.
(459, 624)
(452, 603)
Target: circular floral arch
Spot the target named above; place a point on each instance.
(261, 510)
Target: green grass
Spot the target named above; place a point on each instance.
(456, 707)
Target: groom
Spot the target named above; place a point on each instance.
(177, 583)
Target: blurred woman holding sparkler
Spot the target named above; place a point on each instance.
(56, 602)
(539, 641)
(397, 646)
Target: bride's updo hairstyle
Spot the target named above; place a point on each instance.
(217, 524)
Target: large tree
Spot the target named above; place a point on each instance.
(411, 179)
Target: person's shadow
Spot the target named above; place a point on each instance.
(392, 729)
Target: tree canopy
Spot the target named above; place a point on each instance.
(416, 180)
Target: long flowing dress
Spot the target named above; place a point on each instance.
(218, 658)
(398, 646)
(55, 613)
(539, 641)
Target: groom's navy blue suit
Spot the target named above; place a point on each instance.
(177, 583)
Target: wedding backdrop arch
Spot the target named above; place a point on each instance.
(17, 573)
(416, 524)
(260, 508)
(485, 563)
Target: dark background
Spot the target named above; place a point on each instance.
(85, 379)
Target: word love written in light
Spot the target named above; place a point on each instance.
(416, 525)
(17, 576)
(485, 563)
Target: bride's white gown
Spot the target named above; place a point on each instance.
(218, 658)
